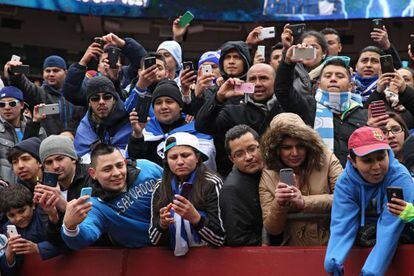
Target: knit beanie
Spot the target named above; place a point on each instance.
(211, 56)
(408, 153)
(100, 84)
(174, 49)
(57, 144)
(168, 88)
(54, 61)
(31, 146)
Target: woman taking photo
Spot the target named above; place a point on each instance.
(185, 210)
(299, 211)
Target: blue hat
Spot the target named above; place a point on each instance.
(174, 49)
(54, 61)
(211, 56)
(11, 92)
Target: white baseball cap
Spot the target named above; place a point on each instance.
(183, 139)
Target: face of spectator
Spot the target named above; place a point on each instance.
(407, 76)
(166, 110)
(312, 41)
(263, 76)
(395, 135)
(292, 152)
(63, 165)
(21, 217)
(182, 161)
(216, 69)
(54, 76)
(102, 104)
(233, 64)
(11, 110)
(26, 167)
(335, 78)
(373, 167)
(334, 46)
(162, 70)
(275, 58)
(171, 64)
(368, 64)
(245, 155)
(110, 171)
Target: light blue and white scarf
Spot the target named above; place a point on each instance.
(328, 104)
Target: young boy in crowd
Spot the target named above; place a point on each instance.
(16, 201)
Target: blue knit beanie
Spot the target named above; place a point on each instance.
(211, 56)
(11, 92)
(54, 61)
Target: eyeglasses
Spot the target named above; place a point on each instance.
(241, 154)
(394, 130)
(97, 98)
(11, 103)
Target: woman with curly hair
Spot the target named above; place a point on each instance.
(299, 211)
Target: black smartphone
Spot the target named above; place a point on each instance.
(286, 176)
(50, 179)
(143, 107)
(396, 192)
(297, 29)
(149, 61)
(188, 65)
(21, 69)
(186, 189)
(100, 41)
(113, 56)
(377, 23)
(387, 65)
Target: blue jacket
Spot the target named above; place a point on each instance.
(35, 232)
(351, 197)
(125, 218)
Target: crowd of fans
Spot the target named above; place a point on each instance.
(239, 150)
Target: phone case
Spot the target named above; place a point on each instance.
(207, 69)
(186, 19)
(261, 50)
(188, 65)
(143, 106)
(50, 109)
(12, 231)
(247, 88)
(15, 58)
(266, 33)
(286, 176)
(396, 192)
(297, 29)
(304, 53)
(86, 191)
(387, 65)
(149, 61)
(50, 179)
(113, 56)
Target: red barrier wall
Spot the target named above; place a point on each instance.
(207, 261)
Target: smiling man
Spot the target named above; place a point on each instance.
(120, 206)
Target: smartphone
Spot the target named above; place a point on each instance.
(50, 179)
(149, 61)
(86, 191)
(186, 19)
(396, 192)
(247, 88)
(12, 231)
(261, 50)
(286, 176)
(387, 65)
(377, 108)
(377, 23)
(297, 29)
(188, 65)
(304, 53)
(21, 69)
(206, 69)
(186, 189)
(268, 32)
(15, 58)
(49, 109)
(100, 41)
(143, 107)
(113, 56)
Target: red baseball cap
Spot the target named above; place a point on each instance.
(365, 140)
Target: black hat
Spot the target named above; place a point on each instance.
(30, 145)
(168, 88)
(100, 84)
(408, 153)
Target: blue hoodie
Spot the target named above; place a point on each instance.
(125, 218)
(351, 197)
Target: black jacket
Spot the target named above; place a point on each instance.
(243, 50)
(304, 104)
(240, 209)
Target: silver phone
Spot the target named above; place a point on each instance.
(304, 53)
(286, 176)
(12, 231)
(49, 109)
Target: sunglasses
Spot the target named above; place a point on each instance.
(97, 98)
(11, 103)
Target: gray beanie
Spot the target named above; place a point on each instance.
(57, 144)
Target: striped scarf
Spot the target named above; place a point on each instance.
(329, 104)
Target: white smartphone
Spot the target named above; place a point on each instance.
(304, 53)
(268, 32)
(247, 88)
(261, 50)
(49, 109)
(206, 69)
(12, 231)
(15, 58)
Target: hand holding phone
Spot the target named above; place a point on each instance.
(143, 107)
(393, 191)
(12, 231)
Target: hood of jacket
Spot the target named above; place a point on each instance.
(243, 50)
